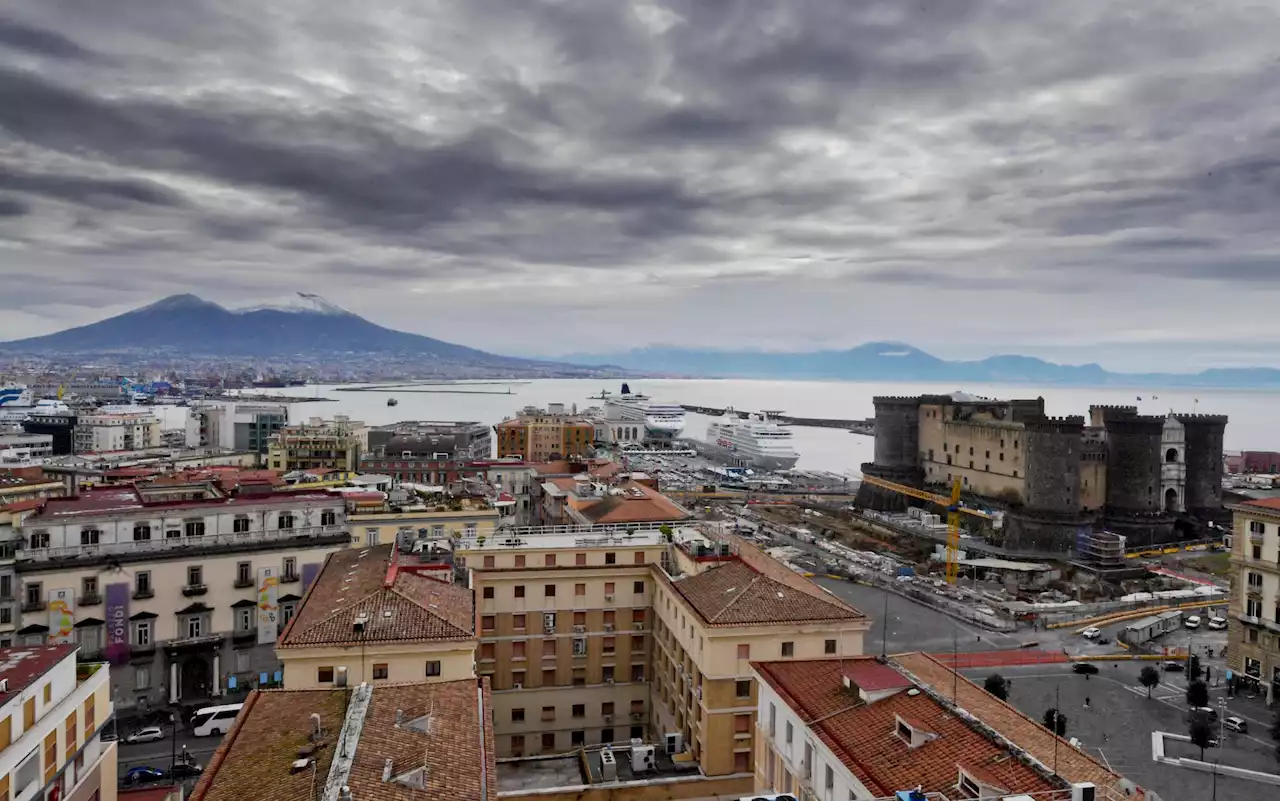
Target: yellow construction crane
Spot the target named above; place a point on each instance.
(953, 533)
(923, 495)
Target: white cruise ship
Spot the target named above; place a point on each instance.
(661, 421)
(757, 442)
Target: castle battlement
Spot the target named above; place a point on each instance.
(1201, 419)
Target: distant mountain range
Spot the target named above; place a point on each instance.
(895, 361)
(303, 325)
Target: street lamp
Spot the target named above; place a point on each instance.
(1222, 718)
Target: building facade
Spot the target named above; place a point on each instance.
(60, 426)
(238, 426)
(184, 588)
(17, 450)
(53, 711)
(109, 431)
(538, 435)
(1254, 636)
(437, 441)
(318, 445)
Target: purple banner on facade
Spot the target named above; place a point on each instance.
(117, 643)
(309, 573)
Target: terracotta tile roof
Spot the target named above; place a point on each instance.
(734, 594)
(254, 759)
(863, 735)
(401, 606)
(23, 506)
(1026, 733)
(1264, 503)
(762, 562)
(874, 676)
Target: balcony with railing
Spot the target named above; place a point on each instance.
(127, 548)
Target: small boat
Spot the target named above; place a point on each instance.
(392, 401)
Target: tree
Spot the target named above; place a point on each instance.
(1055, 722)
(1150, 678)
(1193, 668)
(667, 531)
(998, 686)
(1197, 694)
(1200, 732)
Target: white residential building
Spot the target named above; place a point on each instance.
(117, 430)
(237, 426)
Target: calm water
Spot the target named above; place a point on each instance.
(1252, 425)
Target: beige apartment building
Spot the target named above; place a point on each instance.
(435, 518)
(1254, 642)
(378, 615)
(52, 713)
(318, 444)
(184, 586)
(108, 432)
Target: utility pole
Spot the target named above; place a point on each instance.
(1057, 712)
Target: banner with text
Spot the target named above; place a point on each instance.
(62, 616)
(118, 623)
(268, 604)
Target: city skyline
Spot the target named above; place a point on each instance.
(1082, 183)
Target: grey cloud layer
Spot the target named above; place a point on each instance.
(445, 147)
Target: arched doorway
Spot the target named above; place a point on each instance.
(195, 678)
(1171, 500)
(1171, 456)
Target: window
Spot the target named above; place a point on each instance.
(380, 670)
(606, 735)
(141, 532)
(609, 645)
(50, 756)
(638, 557)
(1253, 607)
(195, 626)
(240, 525)
(580, 559)
(490, 561)
(742, 688)
(549, 560)
(577, 737)
(39, 539)
(487, 593)
(607, 674)
(195, 575)
(89, 587)
(548, 713)
(637, 616)
(285, 521)
(517, 678)
(637, 672)
(829, 778)
(549, 741)
(1255, 580)
(608, 588)
(966, 785)
(324, 675)
(487, 622)
(579, 710)
(741, 724)
(290, 568)
(744, 651)
(142, 632)
(606, 708)
(194, 528)
(244, 620)
(638, 588)
(35, 591)
(433, 668)
(1257, 552)
(548, 648)
(519, 559)
(517, 649)
(517, 745)
(141, 677)
(90, 536)
(788, 649)
(48, 694)
(773, 719)
(244, 573)
(829, 647)
(1257, 527)
(790, 732)
(610, 558)
(549, 591)
(579, 590)
(488, 651)
(518, 622)
(517, 715)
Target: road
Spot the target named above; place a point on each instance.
(160, 753)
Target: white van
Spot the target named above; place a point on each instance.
(214, 720)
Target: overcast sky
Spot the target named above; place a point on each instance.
(1084, 180)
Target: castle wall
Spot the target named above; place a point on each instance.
(1204, 434)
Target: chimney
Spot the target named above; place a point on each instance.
(315, 726)
(344, 794)
(399, 718)
(386, 770)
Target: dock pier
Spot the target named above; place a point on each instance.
(865, 427)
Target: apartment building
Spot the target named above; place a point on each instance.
(407, 742)
(17, 450)
(52, 714)
(236, 425)
(720, 603)
(183, 586)
(516, 480)
(432, 440)
(28, 483)
(407, 516)
(543, 435)
(318, 444)
(618, 499)
(378, 615)
(1253, 653)
(120, 430)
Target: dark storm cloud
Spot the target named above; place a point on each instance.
(655, 147)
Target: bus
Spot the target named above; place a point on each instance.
(214, 720)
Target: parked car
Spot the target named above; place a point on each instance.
(1236, 724)
(186, 770)
(142, 775)
(148, 735)
(1088, 668)
(1192, 622)
(1210, 714)
(1174, 666)
(1217, 623)
(1091, 633)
